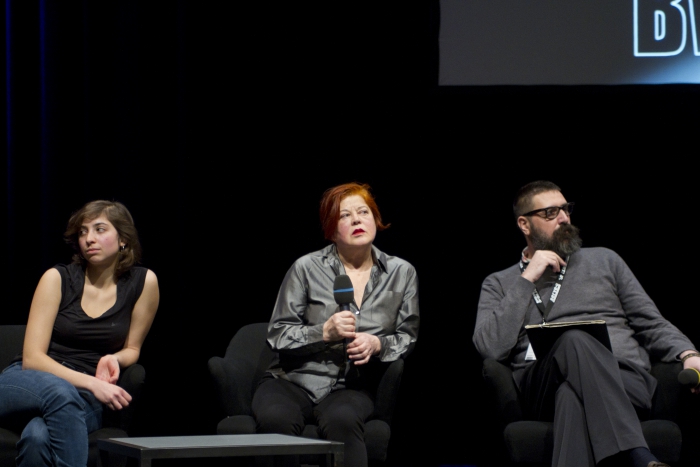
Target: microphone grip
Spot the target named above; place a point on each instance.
(346, 307)
(690, 378)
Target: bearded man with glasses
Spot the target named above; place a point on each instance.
(591, 394)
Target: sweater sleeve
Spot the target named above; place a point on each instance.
(501, 313)
(661, 339)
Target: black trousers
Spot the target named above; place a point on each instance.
(594, 400)
(280, 406)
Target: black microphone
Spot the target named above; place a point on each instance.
(343, 292)
(690, 378)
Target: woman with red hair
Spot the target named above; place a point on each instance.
(325, 350)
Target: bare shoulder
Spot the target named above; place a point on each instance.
(52, 273)
(47, 296)
(150, 287)
(50, 280)
(151, 279)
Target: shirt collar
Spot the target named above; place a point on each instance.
(330, 254)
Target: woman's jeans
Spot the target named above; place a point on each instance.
(58, 417)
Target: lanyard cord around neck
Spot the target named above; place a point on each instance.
(552, 297)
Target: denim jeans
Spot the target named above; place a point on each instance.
(59, 417)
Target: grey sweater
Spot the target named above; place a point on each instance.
(598, 284)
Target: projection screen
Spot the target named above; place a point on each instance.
(515, 42)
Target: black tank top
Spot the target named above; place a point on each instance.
(79, 341)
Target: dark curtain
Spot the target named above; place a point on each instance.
(218, 125)
(175, 107)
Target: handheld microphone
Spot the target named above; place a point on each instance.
(690, 378)
(343, 292)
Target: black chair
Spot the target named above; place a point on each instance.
(237, 373)
(530, 442)
(115, 424)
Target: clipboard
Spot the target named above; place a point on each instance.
(542, 336)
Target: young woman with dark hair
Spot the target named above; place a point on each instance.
(87, 321)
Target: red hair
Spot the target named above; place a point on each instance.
(330, 206)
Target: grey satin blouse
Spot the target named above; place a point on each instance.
(305, 301)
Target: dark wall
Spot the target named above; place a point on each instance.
(220, 127)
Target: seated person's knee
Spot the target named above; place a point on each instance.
(341, 420)
(34, 444)
(62, 393)
(577, 338)
(280, 418)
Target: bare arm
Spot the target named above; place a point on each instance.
(141, 320)
(108, 368)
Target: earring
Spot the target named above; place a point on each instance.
(122, 248)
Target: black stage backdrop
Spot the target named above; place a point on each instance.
(220, 127)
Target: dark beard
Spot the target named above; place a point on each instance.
(564, 241)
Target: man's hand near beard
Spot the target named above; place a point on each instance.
(539, 262)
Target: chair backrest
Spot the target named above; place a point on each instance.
(506, 398)
(236, 375)
(11, 342)
(250, 341)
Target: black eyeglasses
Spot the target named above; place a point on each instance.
(552, 211)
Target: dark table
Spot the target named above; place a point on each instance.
(171, 447)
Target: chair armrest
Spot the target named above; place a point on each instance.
(11, 342)
(499, 379)
(668, 393)
(132, 380)
(387, 391)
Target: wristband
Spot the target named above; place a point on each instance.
(694, 354)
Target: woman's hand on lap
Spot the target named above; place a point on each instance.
(108, 369)
(363, 347)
